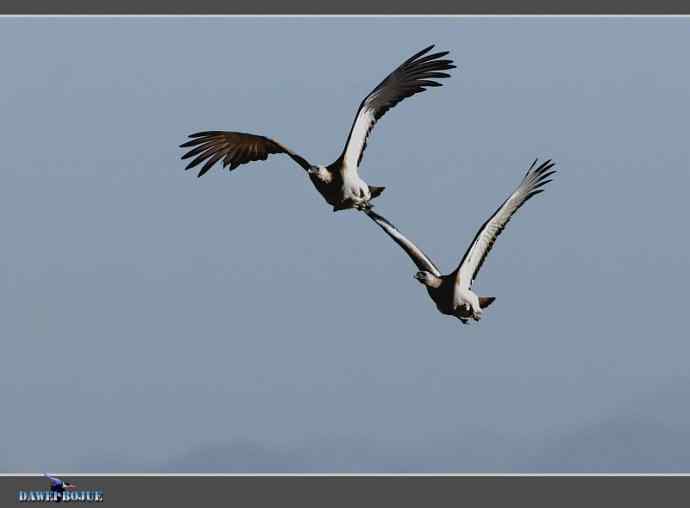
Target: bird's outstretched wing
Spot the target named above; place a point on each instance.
(529, 187)
(234, 148)
(418, 257)
(411, 77)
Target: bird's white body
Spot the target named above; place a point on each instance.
(341, 187)
(451, 296)
(353, 188)
(467, 300)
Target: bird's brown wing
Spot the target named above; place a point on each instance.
(234, 148)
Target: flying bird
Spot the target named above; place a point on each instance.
(339, 183)
(453, 293)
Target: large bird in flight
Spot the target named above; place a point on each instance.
(453, 293)
(339, 183)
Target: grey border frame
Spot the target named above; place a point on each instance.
(354, 490)
(374, 490)
(349, 7)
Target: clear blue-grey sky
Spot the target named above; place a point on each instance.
(155, 321)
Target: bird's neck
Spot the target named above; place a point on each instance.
(434, 282)
(323, 175)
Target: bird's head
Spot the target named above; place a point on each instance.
(313, 170)
(426, 278)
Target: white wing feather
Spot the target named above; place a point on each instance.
(418, 257)
(414, 75)
(487, 234)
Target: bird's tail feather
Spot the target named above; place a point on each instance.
(485, 301)
(375, 191)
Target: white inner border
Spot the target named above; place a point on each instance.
(321, 475)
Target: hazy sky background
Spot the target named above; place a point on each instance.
(155, 321)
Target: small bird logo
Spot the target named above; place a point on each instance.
(59, 486)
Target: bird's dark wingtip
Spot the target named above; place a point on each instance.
(545, 166)
(418, 54)
(438, 55)
(199, 134)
